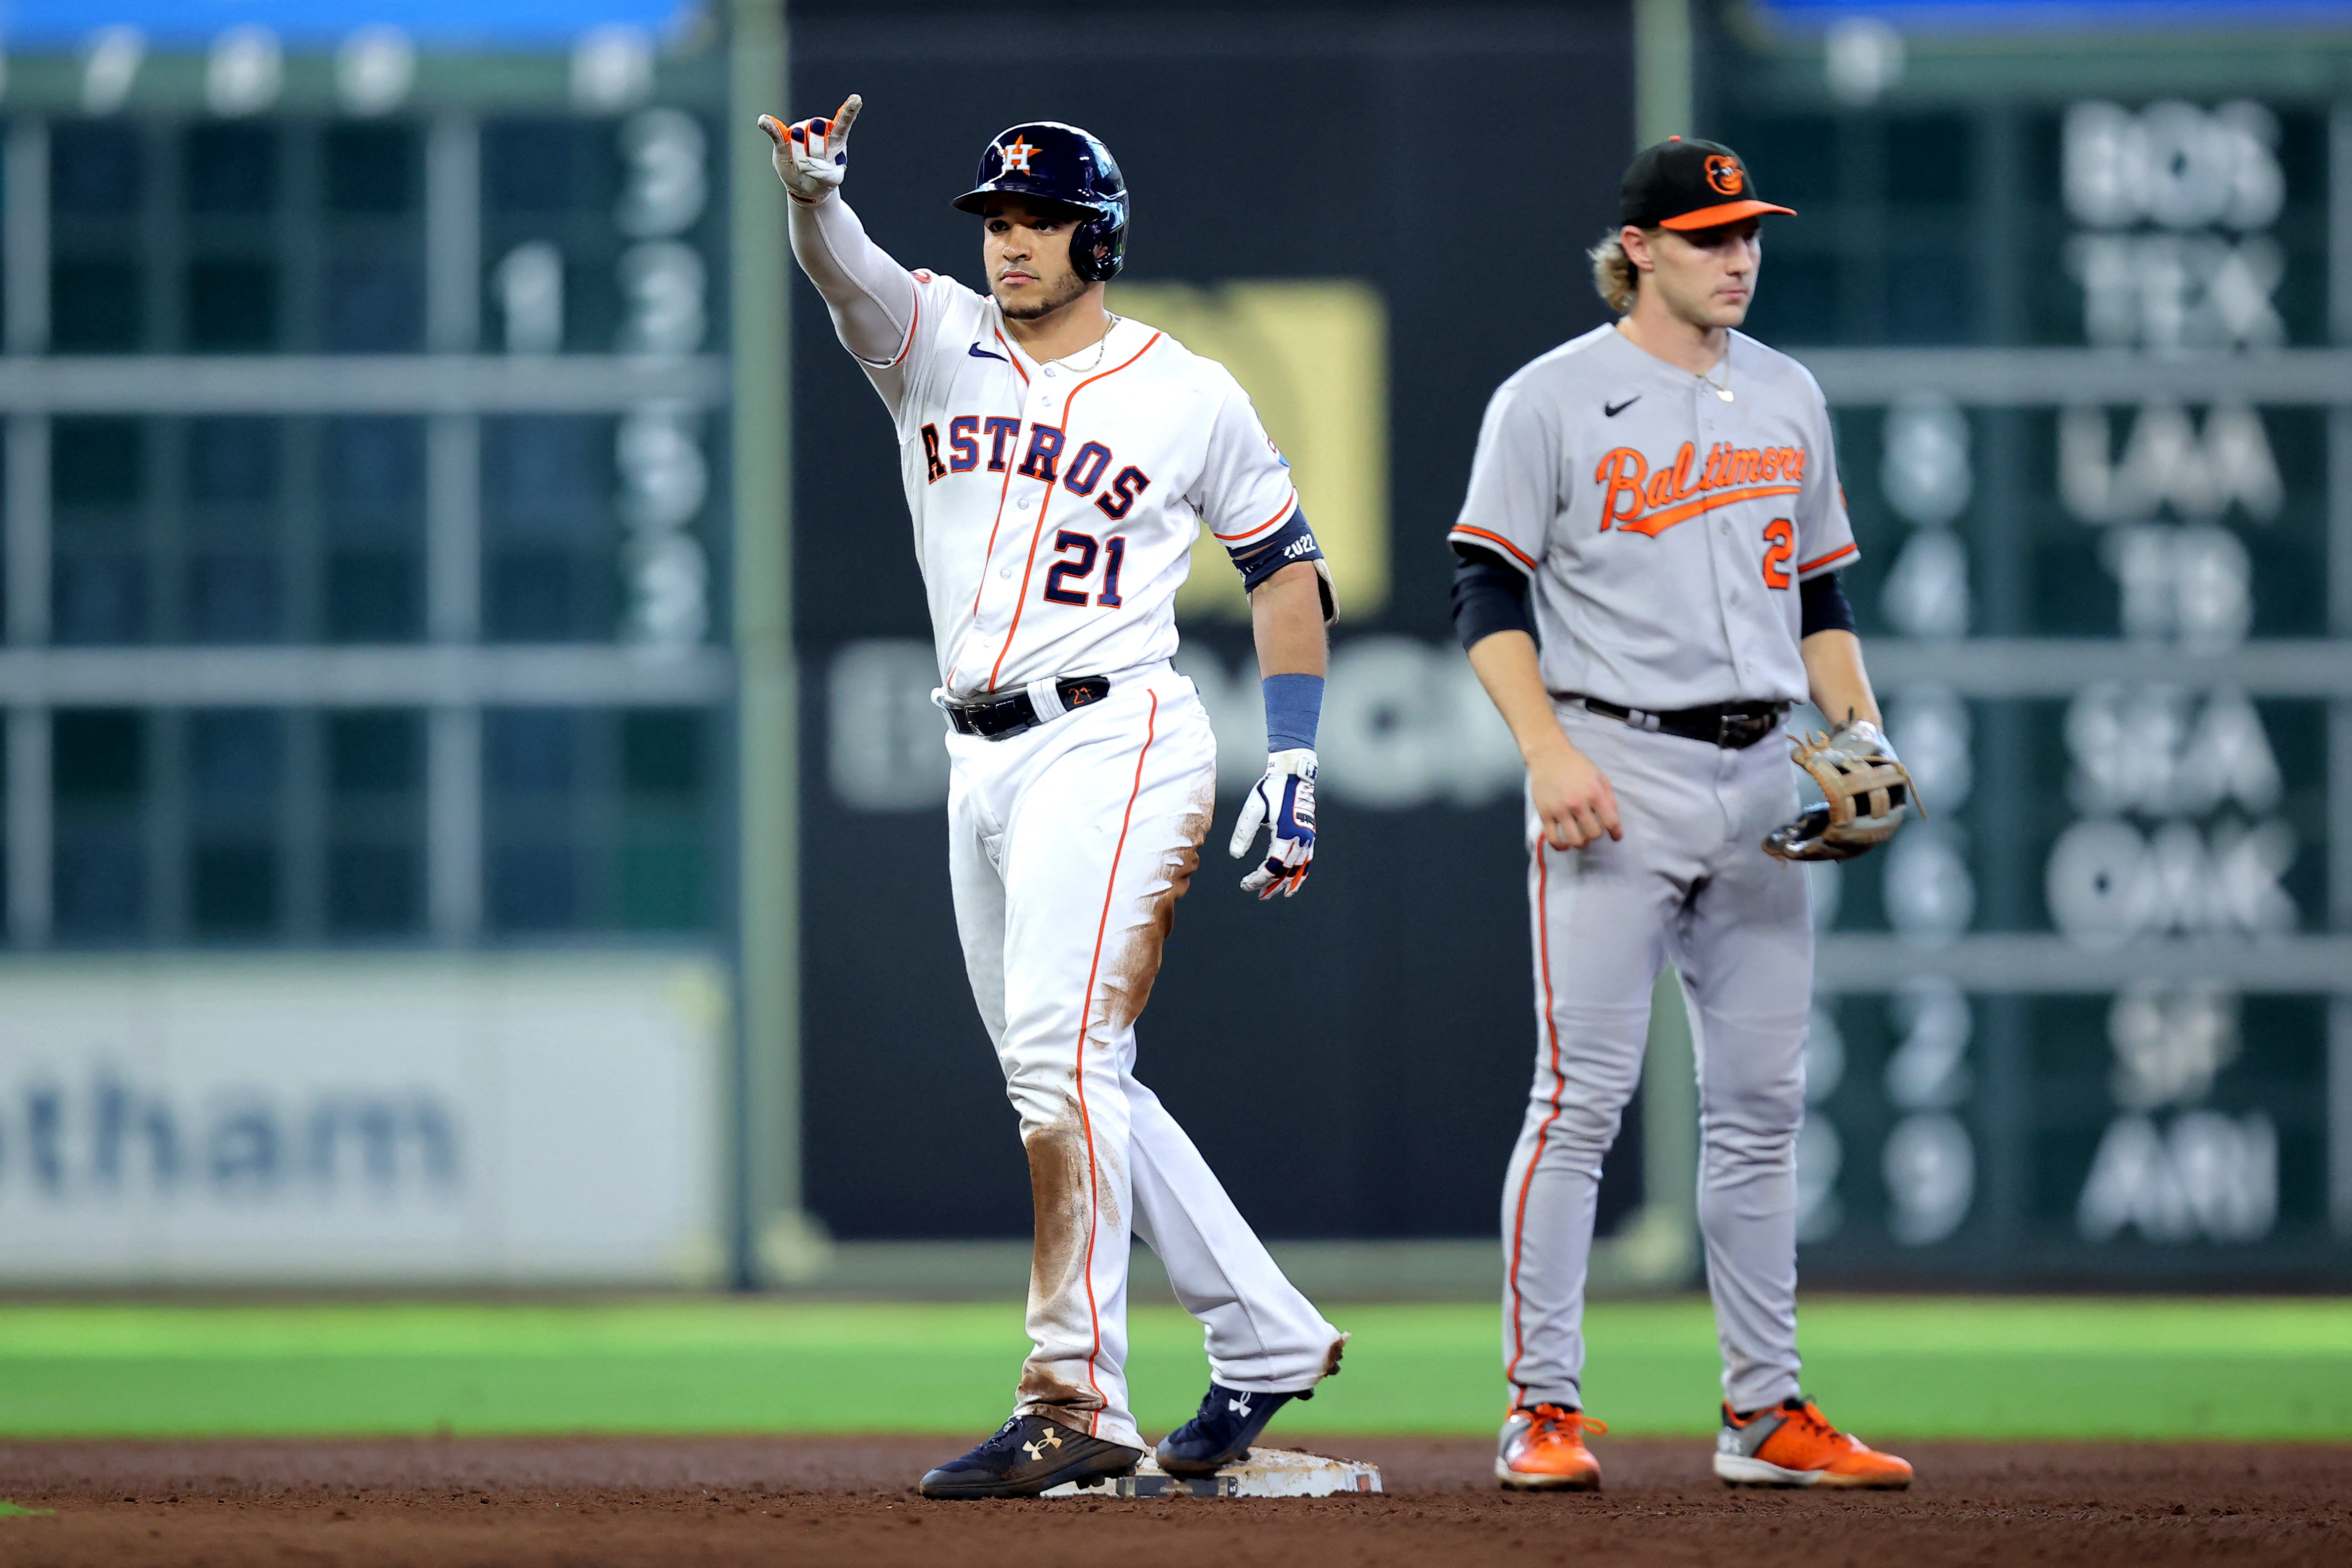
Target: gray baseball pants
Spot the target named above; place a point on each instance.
(1688, 885)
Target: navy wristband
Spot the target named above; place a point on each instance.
(1293, 705)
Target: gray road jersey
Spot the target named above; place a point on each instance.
(1663, 529)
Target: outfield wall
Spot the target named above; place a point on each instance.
(522, 1120)
(397, 562)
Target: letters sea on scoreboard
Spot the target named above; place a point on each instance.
(1656, 499)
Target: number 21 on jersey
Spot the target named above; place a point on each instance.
(1063, 583)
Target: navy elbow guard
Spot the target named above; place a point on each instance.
(1293, 542)
(1488, 597)
(1823, 606)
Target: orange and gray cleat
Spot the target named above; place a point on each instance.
(1791, 1444)
(1542, 1449)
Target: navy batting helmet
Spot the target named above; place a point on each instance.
(1047, 161)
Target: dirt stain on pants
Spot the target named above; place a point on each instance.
(1059, 1158)
(1057, 1259)
(1128, 977)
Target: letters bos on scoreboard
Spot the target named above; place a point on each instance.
(2175, 801)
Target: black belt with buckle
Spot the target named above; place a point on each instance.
(994, 718)
(1735, 727)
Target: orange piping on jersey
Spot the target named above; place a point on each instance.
(1656, 523)
(1838, 554)
(1079, 1073)
(1045, 504)
(1002, 491)
(1543, 1133)
(1288, 506)
(1522, 556)
(1011, 358)
(909, 346)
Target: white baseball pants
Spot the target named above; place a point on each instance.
(1069, 846)
(1688, 883)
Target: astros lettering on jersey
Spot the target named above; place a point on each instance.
(1055, 508)
(1661, 572)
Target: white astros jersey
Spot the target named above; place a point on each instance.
(1055, 505)
(1663, 529)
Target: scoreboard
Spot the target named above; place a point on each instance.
(365, 530)
(364, 451)
(2082, 310)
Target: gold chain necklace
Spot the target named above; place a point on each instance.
(1102, 347)
(1723, 387)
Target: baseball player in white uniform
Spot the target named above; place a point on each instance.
(1662, 495)
(1059, 461)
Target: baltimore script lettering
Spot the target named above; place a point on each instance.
(1656, 499)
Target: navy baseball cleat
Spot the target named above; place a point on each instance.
(1029, 1455)
(1228, 1423)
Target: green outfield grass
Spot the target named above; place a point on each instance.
(1886, 1367)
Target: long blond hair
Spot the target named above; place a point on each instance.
(1614, 277)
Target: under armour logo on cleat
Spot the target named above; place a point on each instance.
(1035, 1448)
(1239, 1407)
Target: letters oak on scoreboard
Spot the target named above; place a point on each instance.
(2087, 345)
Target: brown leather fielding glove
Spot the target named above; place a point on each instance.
(1866, 794)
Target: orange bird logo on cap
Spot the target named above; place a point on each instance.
(1724, 174)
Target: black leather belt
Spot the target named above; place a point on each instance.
(1735, 727)
(994, 718)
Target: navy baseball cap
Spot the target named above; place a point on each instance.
(1689, 184)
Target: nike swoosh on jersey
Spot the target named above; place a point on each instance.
(977, 352)
(1607, 410)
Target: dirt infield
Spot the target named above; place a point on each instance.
(805, 1501)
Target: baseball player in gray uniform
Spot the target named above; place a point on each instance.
(1647, 586)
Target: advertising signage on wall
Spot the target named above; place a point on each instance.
(351, 1120)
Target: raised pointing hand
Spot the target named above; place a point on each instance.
(811, 156)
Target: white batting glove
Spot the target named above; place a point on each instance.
(1284, 803)
(812, 156)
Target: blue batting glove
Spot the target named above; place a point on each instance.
(1284, 803)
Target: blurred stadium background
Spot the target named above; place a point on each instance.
(472, 814)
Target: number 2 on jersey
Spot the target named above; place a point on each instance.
(1059, 581)
(1779, 544)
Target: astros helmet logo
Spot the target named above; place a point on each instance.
(1016, 157)
(1725, 175)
